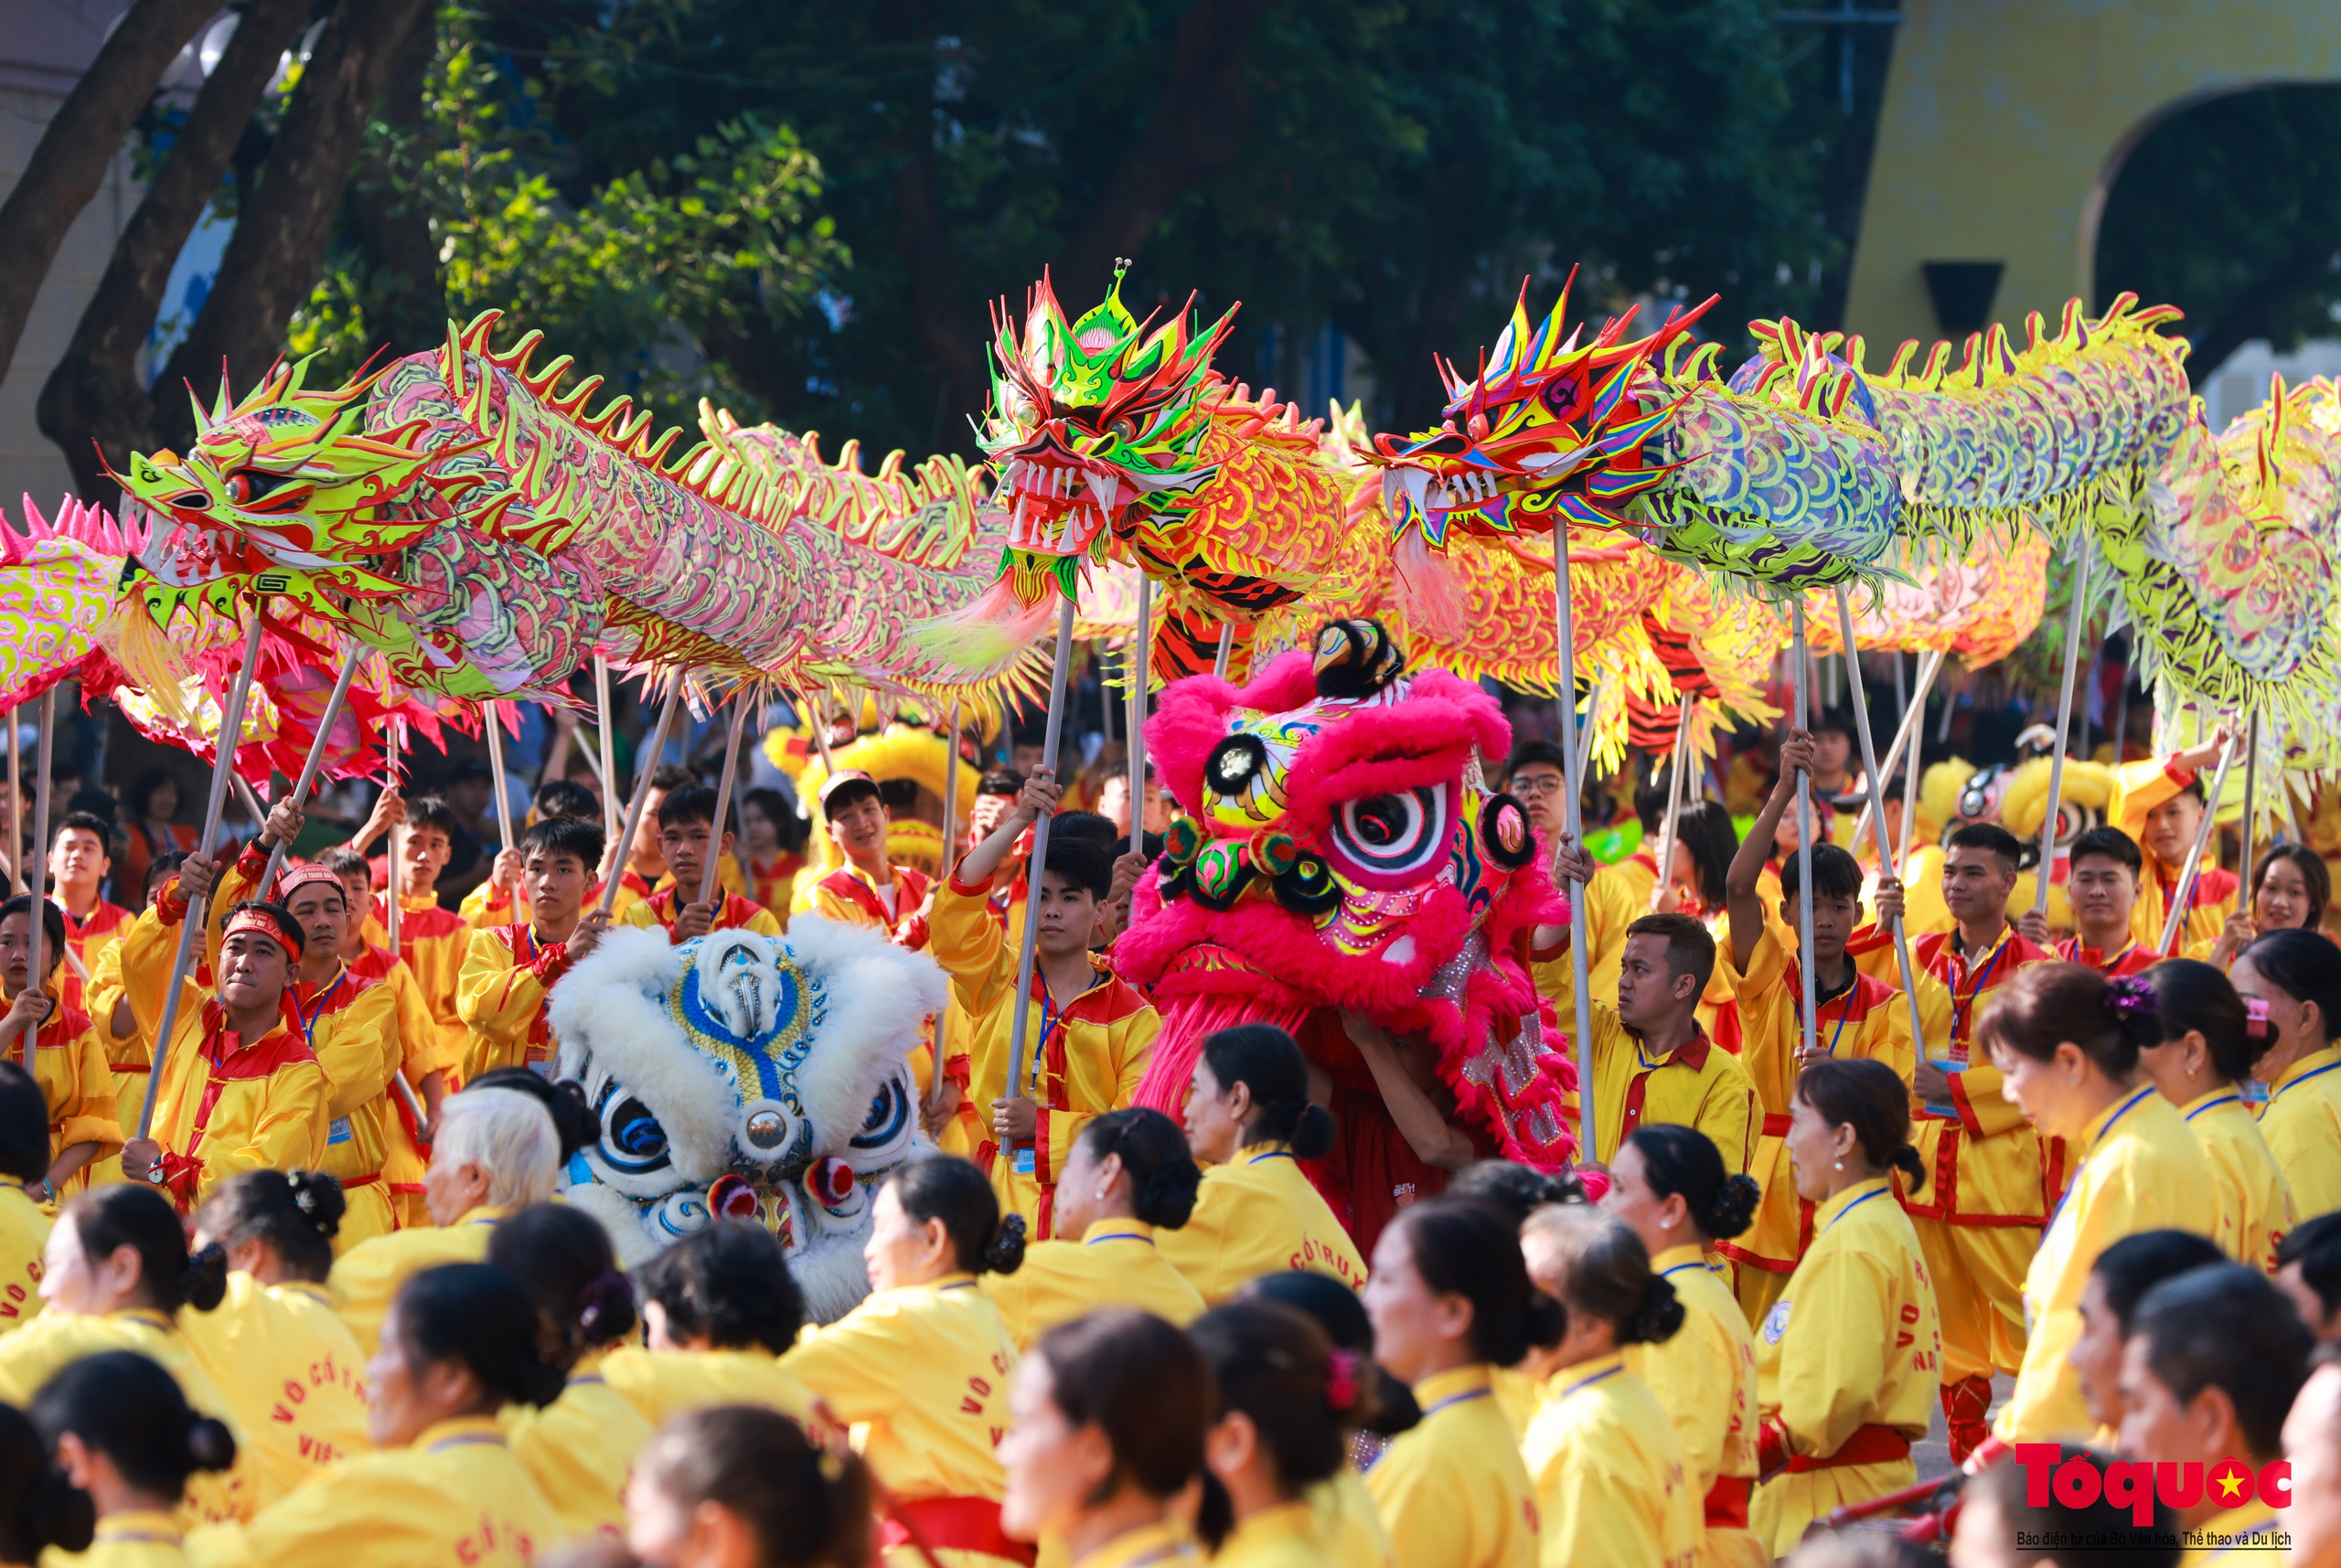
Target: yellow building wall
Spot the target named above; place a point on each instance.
(2004, 122)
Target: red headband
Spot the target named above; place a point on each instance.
(269, 924)
(304, 874)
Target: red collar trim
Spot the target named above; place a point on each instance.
(281, 1047)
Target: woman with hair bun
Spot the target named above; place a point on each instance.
(2293, 976)
(719, 1309)
(1250, 1123)
(745, 1485)
(580, 1448)
(39, 1507)
(1285, 1399)
(276, 1329)
(2067, 1042)
(925, 1360)
(121, 1431)
(2210, 1040)
(461, 1342)
(1849, 1361)
(1108, 1416)
(116, 1275)
(1611, 1486)
(1670, 1185)
(1450, 1301)
(1128, 1179)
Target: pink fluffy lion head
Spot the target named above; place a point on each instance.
(1340, 851)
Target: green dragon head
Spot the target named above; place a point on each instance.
(1093, 417)
(287, 489)
(1547, 430)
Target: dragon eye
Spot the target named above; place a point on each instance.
(1126, 430)
(1394, 834)
(248, 485)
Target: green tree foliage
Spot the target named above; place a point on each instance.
(1393, 167)
(638, 275)
(2231, 210)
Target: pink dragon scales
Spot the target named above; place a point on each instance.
(1341, 852)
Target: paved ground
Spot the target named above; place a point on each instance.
(1933, 1454)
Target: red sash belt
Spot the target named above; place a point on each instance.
(1871, 1443)
(1728, 1502)
(1775, 1127)
(954, 1524)
(350, 1181)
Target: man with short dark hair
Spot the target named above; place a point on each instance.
(2103, 871)
(509, 969)
(80, 856)
(2119, 1280)
(1980, 1214)
(687, 836)
(1614, 899)
(1088, 1034)
(2160, 806)
(1856, 1014)
(869, 889)
(501, 899)
(1652, 1062)
(431, 940)
(2212, 1363)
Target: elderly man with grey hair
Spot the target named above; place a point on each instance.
(496, 1150)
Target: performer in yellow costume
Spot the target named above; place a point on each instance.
(459, 1346)
(1670, 1186)
(1848, 1360)
(1277, 1433)
(720, 1309)
(2293, 974)
(1451, 1303)
(1611, 1483)
(123, 1433)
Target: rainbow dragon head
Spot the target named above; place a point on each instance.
(1340, 851)
(1549, 430)
(286, 493)
(1092, 418)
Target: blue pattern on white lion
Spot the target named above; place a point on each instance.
(747, 1077)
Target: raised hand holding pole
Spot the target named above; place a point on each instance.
(1028, 948)
(231, 728)
(2073, 620)
(1888, 862)
(1802, 665)
(1573, 827)
(316, 758)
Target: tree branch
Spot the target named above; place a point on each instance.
(82, 138)
(94, 399)
(1202, 120)
(407, 297)
(281, 236)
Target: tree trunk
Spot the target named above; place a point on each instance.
(281, 235)
(1201, 119)
(93, 405)
(70, 164)
(382, 213)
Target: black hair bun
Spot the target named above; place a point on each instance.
(59, 1514)
(1004, 1254)
(206, 1276)
(210, 1445)
(1657, 1316)
(1734, 1209)
(1312, 1132)
(1166, 1198)
(605, 1308)
(320, 1199)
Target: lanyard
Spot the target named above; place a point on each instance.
(2080, 1170)
(1961, 1006)
(310, 1015)
(2213, 1105)
(1844, 1000)
(1851, 1207)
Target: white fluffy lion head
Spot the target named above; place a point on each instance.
(743, 1076)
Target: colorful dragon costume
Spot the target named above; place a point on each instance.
(1115, 440)
(1342, 852)
(480, 526)
(739, 1076)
